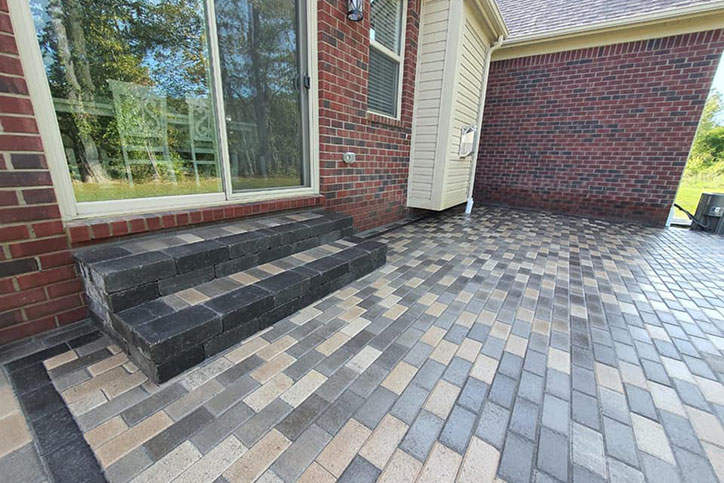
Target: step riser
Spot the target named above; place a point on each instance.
(117, 284)
(163, 342)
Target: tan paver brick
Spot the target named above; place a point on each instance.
(469, 350)
(363, 359)
(433, 336)
(265, 394)
(214, 463)
(343, 447)
(14, 433)
(303, 388)
(480, 463)
(99, 382)
(402, 468)
(706, 425)
(171, 465)
(607, 376)
(8, 403)
(484, 368)
(316, 474)
(398, 379)
(516, 345)
(246, 350)
(125, 442)
(384, 440)
(258, 458)
(108, 364)
(103, 433)
(666, 399)
(270, 351)
(559, 360)
(441, 466)
(651, 438)
(332, 343)
(442, 399)
(123, 384)
(273, 367)
(444, 352)
(60, 359)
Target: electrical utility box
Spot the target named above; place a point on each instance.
(710, 212)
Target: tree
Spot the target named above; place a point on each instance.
(707, 151)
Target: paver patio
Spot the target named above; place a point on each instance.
(514, 345)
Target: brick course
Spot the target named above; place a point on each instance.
(39, 285)
(602, 132)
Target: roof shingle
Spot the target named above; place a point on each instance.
(541, 16)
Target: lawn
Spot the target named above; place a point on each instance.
(120, 190)
(691, 189)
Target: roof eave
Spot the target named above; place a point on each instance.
(491, 13)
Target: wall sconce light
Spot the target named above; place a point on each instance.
(354, 10)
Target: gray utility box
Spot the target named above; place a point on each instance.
(710, 210)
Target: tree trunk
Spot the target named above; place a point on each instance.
(76, 93)
(260, 98)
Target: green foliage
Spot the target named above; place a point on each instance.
(707, 153)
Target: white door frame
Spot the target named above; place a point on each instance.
(41, 99)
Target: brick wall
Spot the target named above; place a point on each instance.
(374, 189)
(601, 132)
(39, 286)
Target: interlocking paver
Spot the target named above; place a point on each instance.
(525, 346)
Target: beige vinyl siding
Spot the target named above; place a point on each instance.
(431, 66)
(455, 37)
(468, 90)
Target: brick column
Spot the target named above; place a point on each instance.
(39, 286)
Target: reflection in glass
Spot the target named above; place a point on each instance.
(263, 97)
(130, 85)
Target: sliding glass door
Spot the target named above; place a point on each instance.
(159, 98)
(263, 84)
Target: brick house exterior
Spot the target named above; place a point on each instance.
(602, 132)
(39, 284)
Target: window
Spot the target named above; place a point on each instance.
(385, 64)
(161, 99)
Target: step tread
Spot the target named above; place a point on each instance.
(165, 242)
(166, 333)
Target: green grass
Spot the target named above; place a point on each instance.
(691, 189)
(120, 190)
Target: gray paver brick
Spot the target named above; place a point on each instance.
(585, 410)
(360, 471)
(502, 391)
(492, 424)
(620, 442)
(294, 461)
(555, 414)
(458, 428)
(524, 419)
(516, 462)
(553, 454)
(422, 435)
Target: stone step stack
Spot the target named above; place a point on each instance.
(172, 300)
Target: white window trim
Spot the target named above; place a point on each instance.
(397, 58)
(41, 99)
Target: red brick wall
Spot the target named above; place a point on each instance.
(602, 132)
(39, 287)
(374, 189)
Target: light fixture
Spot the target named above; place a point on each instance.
(354, 10)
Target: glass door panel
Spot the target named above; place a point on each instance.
(131, 90)
(262, 68)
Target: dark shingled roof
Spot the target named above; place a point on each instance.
(525, 17)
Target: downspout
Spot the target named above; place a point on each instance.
(471, 181)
